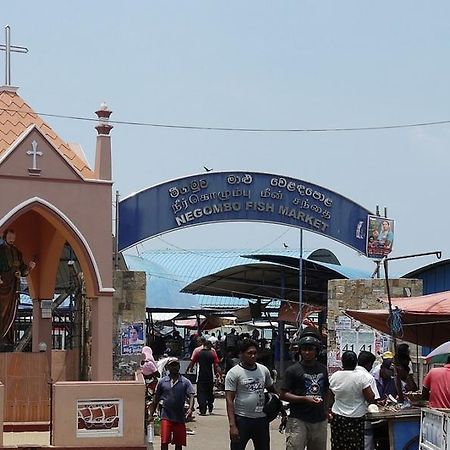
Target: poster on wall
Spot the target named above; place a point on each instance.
(354, 336)
(357, 341)
(380, 237)
(100, 418)
(132, 338)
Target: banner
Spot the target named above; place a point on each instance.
(241, 196)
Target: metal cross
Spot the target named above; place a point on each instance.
(34, 153)
(8, 48)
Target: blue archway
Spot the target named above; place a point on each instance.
(236, 197)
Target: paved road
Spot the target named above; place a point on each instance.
(211, 432)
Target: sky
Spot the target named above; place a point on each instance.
(303, 64)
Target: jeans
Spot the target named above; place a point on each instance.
(256, 430)
(205, 396)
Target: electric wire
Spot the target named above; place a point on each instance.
(237, 129)
(224, 255)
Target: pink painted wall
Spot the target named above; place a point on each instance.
(64, 412)
(87, 204)
(46, 210)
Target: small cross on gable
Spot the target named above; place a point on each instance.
(35, 171)
(8, 48)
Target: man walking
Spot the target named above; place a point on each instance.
(172, 391)
(208, 364)
(244, 387)
(305, 387)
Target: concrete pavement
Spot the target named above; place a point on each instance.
(211, 432)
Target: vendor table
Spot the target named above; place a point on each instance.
(403, 426)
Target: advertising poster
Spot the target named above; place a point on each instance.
(132, 338)
(380, 237)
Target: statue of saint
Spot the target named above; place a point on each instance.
(12, 267)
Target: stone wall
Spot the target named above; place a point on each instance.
(360, 294)
(129, 307)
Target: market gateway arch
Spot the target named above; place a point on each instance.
(240, 197)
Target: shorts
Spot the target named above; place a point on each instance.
(173, 432)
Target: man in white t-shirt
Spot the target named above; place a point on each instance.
(244, 387)
(213, 339)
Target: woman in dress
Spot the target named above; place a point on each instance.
(352, 394)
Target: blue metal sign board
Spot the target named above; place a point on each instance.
(236, 197)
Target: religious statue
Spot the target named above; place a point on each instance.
(12, 267)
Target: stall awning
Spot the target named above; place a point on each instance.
(425, 320)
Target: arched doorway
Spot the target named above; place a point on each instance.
(43, 234)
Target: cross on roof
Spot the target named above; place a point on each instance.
(8, 48)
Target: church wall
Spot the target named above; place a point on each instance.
(65, 365)
(82, 203)
(26, 380)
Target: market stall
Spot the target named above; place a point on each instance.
(403, 427)
(424, 321)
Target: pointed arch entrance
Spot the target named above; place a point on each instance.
(42, 231)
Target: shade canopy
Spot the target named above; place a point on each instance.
(425, 319)
(274, 277)
(439, 354)
(253, 281)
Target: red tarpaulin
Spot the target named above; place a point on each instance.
(425, 320)
(288, 311)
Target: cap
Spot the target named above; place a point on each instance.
(388, 355)
(388, 363)
(172, 360)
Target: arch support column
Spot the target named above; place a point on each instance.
(101, 349)
(42, 329)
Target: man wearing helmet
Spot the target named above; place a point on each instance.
(305, 387)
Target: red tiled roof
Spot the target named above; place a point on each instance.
(16, 116)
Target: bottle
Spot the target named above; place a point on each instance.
(150, 433)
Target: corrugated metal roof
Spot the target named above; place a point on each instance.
(178, 268)
(435, 276)
(163, 290)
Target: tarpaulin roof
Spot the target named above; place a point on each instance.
(425, 320)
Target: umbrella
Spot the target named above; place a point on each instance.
(425, 320)
(439, 354)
